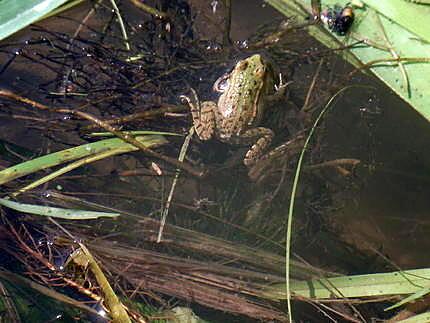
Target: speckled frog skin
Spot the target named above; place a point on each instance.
(234, 119)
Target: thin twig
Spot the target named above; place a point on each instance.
(376, 62)
(165, 108)
(182, 153)
(311, 87)
(227, 26)
(124, 136)
(395, 55)
(148, 9)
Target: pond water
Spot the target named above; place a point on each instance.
(367, 219)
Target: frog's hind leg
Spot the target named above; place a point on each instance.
(261, 137)
(204, 120)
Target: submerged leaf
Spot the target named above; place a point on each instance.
(390, 38)
(410, 298)
(420, 318)
(115, 144)
(381, 284)
(56, 212)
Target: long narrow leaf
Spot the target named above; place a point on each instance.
(394, 283)
(55, 212)
(410, 298)
(67, 155)
(420, 318)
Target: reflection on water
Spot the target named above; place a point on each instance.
(386, 206)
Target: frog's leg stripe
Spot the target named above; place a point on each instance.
(204, 121)
(264, 136)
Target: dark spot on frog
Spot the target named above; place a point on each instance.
(243, 66)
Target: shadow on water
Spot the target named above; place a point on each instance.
(369, 218)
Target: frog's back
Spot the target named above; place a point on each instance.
(233, 117)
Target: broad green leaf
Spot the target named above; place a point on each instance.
(394, 283)
(386, 30)
(55, 212)
(17, 14)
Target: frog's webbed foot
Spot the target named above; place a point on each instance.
(264, 136)
(204, 119)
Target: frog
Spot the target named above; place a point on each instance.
(245, 92)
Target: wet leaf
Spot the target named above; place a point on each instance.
(55, 212)
(420, 318)
(115, 145)
(410, 298)
(380, 284)
(15, 14)
(390, 38)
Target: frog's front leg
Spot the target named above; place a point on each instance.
(261, 139)
(280, 91)
(204, 119)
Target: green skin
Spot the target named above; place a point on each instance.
(234, 118)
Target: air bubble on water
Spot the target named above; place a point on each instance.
(46, 194)
(214, 5)
(102, 312)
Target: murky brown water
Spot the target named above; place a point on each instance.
(380, 211)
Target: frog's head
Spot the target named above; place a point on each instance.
(257, 67)
(254, 65)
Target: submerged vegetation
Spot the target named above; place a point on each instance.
(113, 209)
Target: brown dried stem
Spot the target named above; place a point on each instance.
(124, 136)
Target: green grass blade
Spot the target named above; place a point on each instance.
(134, 133)
(70, 154)
(17, 14)
(380, 284)
(420, 318)
(410, 298)
(68, 214)
(293, 196)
